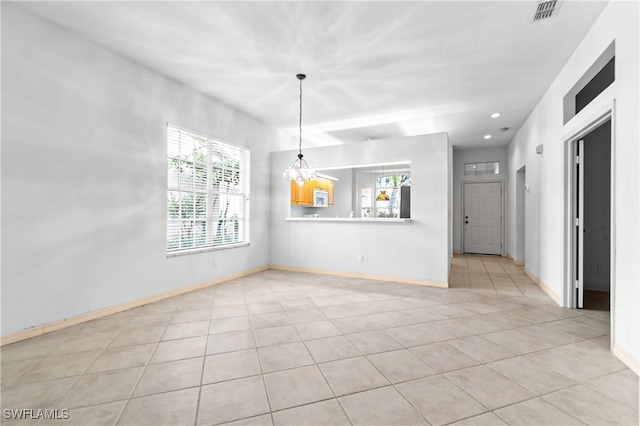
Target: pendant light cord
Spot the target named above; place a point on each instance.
(300, 122)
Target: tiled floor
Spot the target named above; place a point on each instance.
(292, 349)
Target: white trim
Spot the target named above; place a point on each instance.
(68, 322)
(550, 292)
(627, 358)
(578, 127)
(428, 283)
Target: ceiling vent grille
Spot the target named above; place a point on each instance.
(545, 9)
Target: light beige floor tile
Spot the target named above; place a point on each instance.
(122, 357)
(444, 357)
(332, 349)
(305, 315)
(451, 311)
(10, 370)
(172, 408)
(229, 312)
(297, 304)
(548, 334)
(191, 316)
(233, 400)
(85, 342)
(36, 394)
(506, 320)
(327, 413)
(263, 420)
(412, 335)
(317, 330)
(530, 375)
(384, 406)
(231, 365)
(291, 388)
(106, 324)
(344, 311)
(170, 376)
(517, 341)
(350, 325)
(187, 329)
(58, 366)
(592, 407)
(371, 342)
(274, 336)
(275, 319)
(227, 325)
(99, 388)
(95, 415)
(490, 388)
(137, 336)
(621, 386)
(151, 320)
(400, 366)
(447, 329)
(574, 367)
(264, 308)
(479, 325)
(173, 350)
(195, 304)
(536, 412)
(439, 400)
(482, 349)
(576, 330)
(352, 375)
(229, 342)
(282, 357)
(486, 419)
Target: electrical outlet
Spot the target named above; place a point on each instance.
(213, 263)
(600, 268)
(361, 258)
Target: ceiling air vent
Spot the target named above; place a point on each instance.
(545, 9)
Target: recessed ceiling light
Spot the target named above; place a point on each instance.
(487, 136)
(495, 115)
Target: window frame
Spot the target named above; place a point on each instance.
(241, 195)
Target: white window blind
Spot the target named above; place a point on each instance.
(207, 192)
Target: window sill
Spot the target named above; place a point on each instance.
(205, 249)
(347, 219)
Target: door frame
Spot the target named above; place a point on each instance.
(502, 205)
(580, 130)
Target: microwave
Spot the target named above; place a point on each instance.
(320, 198)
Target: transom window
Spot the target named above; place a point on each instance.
(207, 192)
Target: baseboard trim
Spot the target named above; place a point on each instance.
(457, 252)
(69, 322)
(428, 283)
(552, 294)
(627, 358)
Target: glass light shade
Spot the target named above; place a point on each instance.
(299, 171)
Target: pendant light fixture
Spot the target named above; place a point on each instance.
(299, 171)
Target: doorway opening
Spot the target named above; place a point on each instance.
(482, 221)
(591, 207)
(521, 208)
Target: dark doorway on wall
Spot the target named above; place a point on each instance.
(593, 205)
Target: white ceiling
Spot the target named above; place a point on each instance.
(375, 69)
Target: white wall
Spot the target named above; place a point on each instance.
(84, 176)
(416, 250)
(462, 156)
(545, 255)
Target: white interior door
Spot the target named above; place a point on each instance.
(483, 218)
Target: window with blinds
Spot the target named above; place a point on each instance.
(207, 193)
